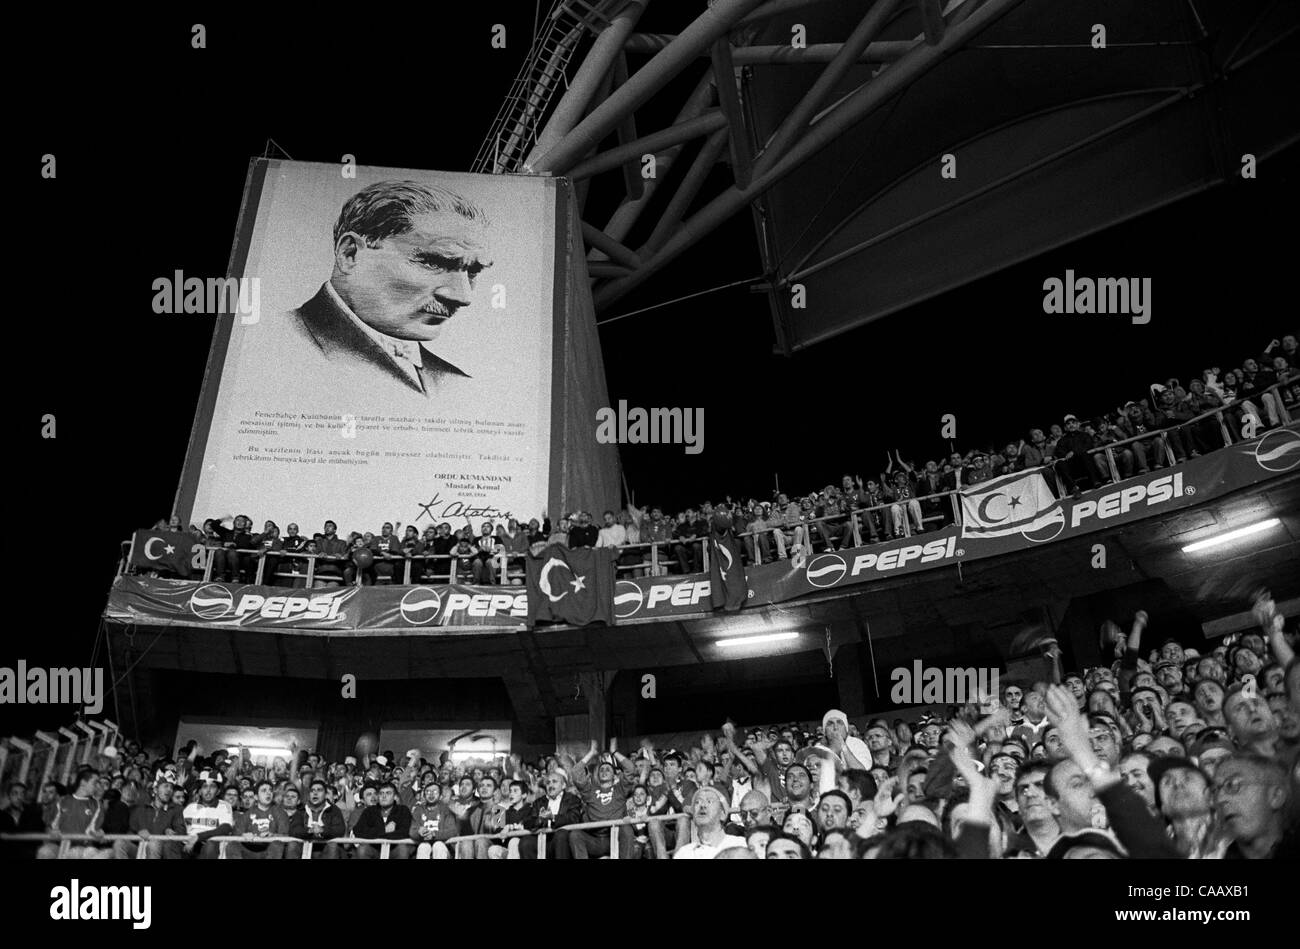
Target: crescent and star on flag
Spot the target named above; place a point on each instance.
(148, 551)
(721, 549)
(1012, 502)
(544, 580)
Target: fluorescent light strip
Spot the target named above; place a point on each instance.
(755, 640)
(1232, 535)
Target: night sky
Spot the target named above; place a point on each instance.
(153, 141)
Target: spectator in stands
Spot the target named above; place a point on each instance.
(385, 820)
(1255, 383)
(931, 484)
(552, 812)
(295, 817)
(654, 529)
(240, 545)
(561, 533)
(583, 533)
(268, 544)
(332, 551)
(903, 503)
(433, 823)
(79, 813)
(874, 518)
(324, 822)
(685, 546)
(1252, 796)
(153, 821)
(263, 819)
(294, 543)
(388, 554)
(1288, 375)
(1136, 421)
(612, 533)
(1073, 463)
(485, 560)
(708, 808)
(604, 799)
(206, 817)
(513, 541)
(19, 817)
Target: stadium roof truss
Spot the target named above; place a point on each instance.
(594, 130)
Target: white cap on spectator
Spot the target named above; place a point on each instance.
(832, 715)
(1068, 417)
(109, 751)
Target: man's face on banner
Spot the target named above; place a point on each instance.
(411, 284)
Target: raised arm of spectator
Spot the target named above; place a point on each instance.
(623, 761)
(579, 774)
(1272, 623)
(827, 773)
(882, 806)
(729, 737)
(1141, 833)
(942, 768)
(972, 839)
(648, 749)
(1128, 666)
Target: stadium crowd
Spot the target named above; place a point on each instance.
(902, 497)
(1164, 752)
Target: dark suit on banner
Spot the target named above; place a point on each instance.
(322, 340)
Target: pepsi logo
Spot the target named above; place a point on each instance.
(420, 606)
(826, 570)
(627, 599)
(1278, 450)
(211, 601)
(1048, 531)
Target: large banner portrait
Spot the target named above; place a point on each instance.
(399, 365)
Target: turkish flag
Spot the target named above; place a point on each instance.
(571, 586)
(164, 550)
(727, 584)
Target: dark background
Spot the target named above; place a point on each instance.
(153, 140)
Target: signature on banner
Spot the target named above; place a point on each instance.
(437, 509)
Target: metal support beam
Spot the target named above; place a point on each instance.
(883, 51)
(724, 77)
(628, 212)
(856, 107)
(649, 144)
(931, 20)
(602, 268)
(610, 247)
(607, 46)
(703, 31)
(794, 123)
(776, 8)
(687, 190)
(633, 183)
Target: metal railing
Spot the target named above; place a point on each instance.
(1217, 414)
(385, 845)
(894, 517)
(519, 120)
(42, 753)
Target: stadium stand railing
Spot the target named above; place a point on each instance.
(67, 841)
(656, 555)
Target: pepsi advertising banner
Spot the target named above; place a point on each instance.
(144, 600)
(1003, 516)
